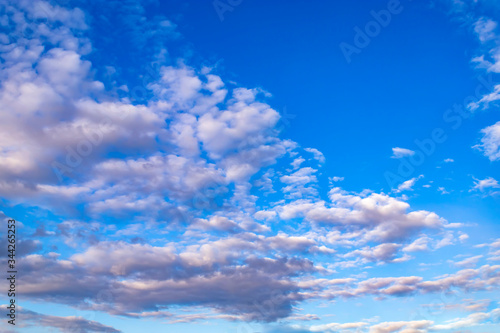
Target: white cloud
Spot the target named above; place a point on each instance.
(300, 183)
(336, 179)
(408, 185)
(317, 154)
(337, 327)
(189, 159)
(445, 241)
(401, 152)
(382, 217)
(488, 98)
(297, 162)
(485, 29)
(469, 321)
(420, 326)
(384, 252)
(468, 262)
(420, 244)
(463, 236)
(220, 223)
(490, 142)
(443, 190)
(486, 183)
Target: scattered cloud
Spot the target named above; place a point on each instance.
(408, 185)
(485, 184)
(490, 142)
(401, 152)
(336, 179)
(63, 324)
(191, 195)
(317, 154)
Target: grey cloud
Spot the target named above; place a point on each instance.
(64, 324)
(257, 290)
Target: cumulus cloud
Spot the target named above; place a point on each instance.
(240, 282)
(218, 275)
(300, 183)
(385, 218)
(382, 252)
(189, 163)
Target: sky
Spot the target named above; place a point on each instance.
(257, 166)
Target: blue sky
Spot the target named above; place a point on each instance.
(252, 166)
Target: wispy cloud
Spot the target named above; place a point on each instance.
(401, 152)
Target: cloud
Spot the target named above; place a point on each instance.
(463, 236)
(482, 278)
(300, 183)
(489, 98)
(220, 223)
(494, 250)
(415, 326)
(420, 244)
(382, 217)
(338, 327)
(317, 154)
(297, 162)
(63, 324)
(225, 275)
(468, 262)
(485, 29)
(336, 179)
(408, 185)
(469, 321)
(401, 152)
(443, 190)
(420, 326)
(382, 252)
(72, 139)
(490, 142)
(484, 184)
(469, 305)
(169, 189)
(240, 282)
